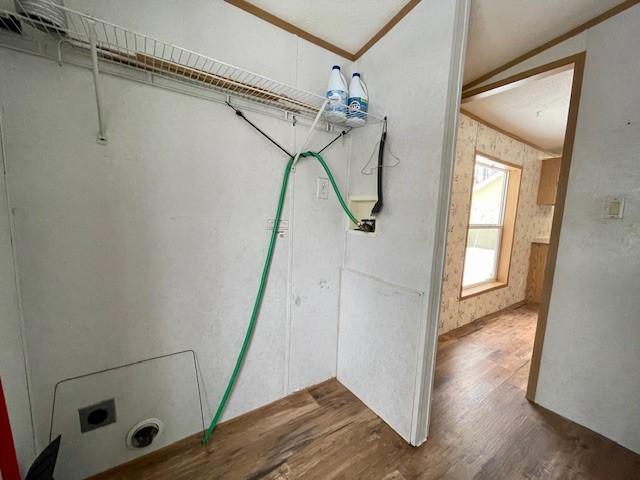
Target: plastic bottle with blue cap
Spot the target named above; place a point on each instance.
(336, 109)
(358, 102)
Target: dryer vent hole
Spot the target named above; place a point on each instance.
(144, 437)
(144, 433)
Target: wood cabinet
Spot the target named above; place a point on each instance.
(548, 186)
(535, 278)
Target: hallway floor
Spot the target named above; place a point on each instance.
(482, 427)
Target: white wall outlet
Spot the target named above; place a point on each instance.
(322, 192)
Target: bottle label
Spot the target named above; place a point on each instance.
(337, 101)
(358, 107)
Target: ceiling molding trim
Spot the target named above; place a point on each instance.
(289, 27)
(388, 26)
(517, 138)
(551, 43)
(555, 67)
(519, 78)
(480, 93)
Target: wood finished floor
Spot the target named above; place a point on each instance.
(482, 428)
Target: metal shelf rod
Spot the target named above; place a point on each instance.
(102, 137)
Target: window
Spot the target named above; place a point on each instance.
(494, 199)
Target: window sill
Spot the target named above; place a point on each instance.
(480, 289)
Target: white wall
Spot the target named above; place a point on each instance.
(12, 359)
(154, 243)
(589, 371)
(413, 77)
(590, 362)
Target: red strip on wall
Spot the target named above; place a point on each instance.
(8, 460)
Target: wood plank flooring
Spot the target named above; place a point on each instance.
(482, 428)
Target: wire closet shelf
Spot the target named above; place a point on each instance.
(121, 46)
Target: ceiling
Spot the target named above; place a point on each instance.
(348, 25)
(501, 30)
(536, 111)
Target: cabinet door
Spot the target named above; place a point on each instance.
(548, 186)
(535, 279)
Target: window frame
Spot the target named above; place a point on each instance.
(488, 226)
(508, 214)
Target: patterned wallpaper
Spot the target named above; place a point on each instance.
(532, 221)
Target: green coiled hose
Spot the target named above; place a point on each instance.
(263, 281)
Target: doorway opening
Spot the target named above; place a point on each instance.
(513, 154)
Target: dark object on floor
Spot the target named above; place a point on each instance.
(45, 464)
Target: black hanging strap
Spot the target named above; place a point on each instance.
(241, 115)
(342, 134)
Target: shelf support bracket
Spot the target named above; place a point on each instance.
(93, 38)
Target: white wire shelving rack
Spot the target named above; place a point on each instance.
(106, 43)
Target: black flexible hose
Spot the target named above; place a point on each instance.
(383, 138)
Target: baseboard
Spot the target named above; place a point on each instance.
(186, 444)
(489, 316)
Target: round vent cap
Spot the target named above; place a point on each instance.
(144, 433)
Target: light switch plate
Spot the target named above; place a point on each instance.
(613, 207)
(323, 189)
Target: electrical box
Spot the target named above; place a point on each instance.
(361, 207)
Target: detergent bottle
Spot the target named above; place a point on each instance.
(336, 109)
(358, 103)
